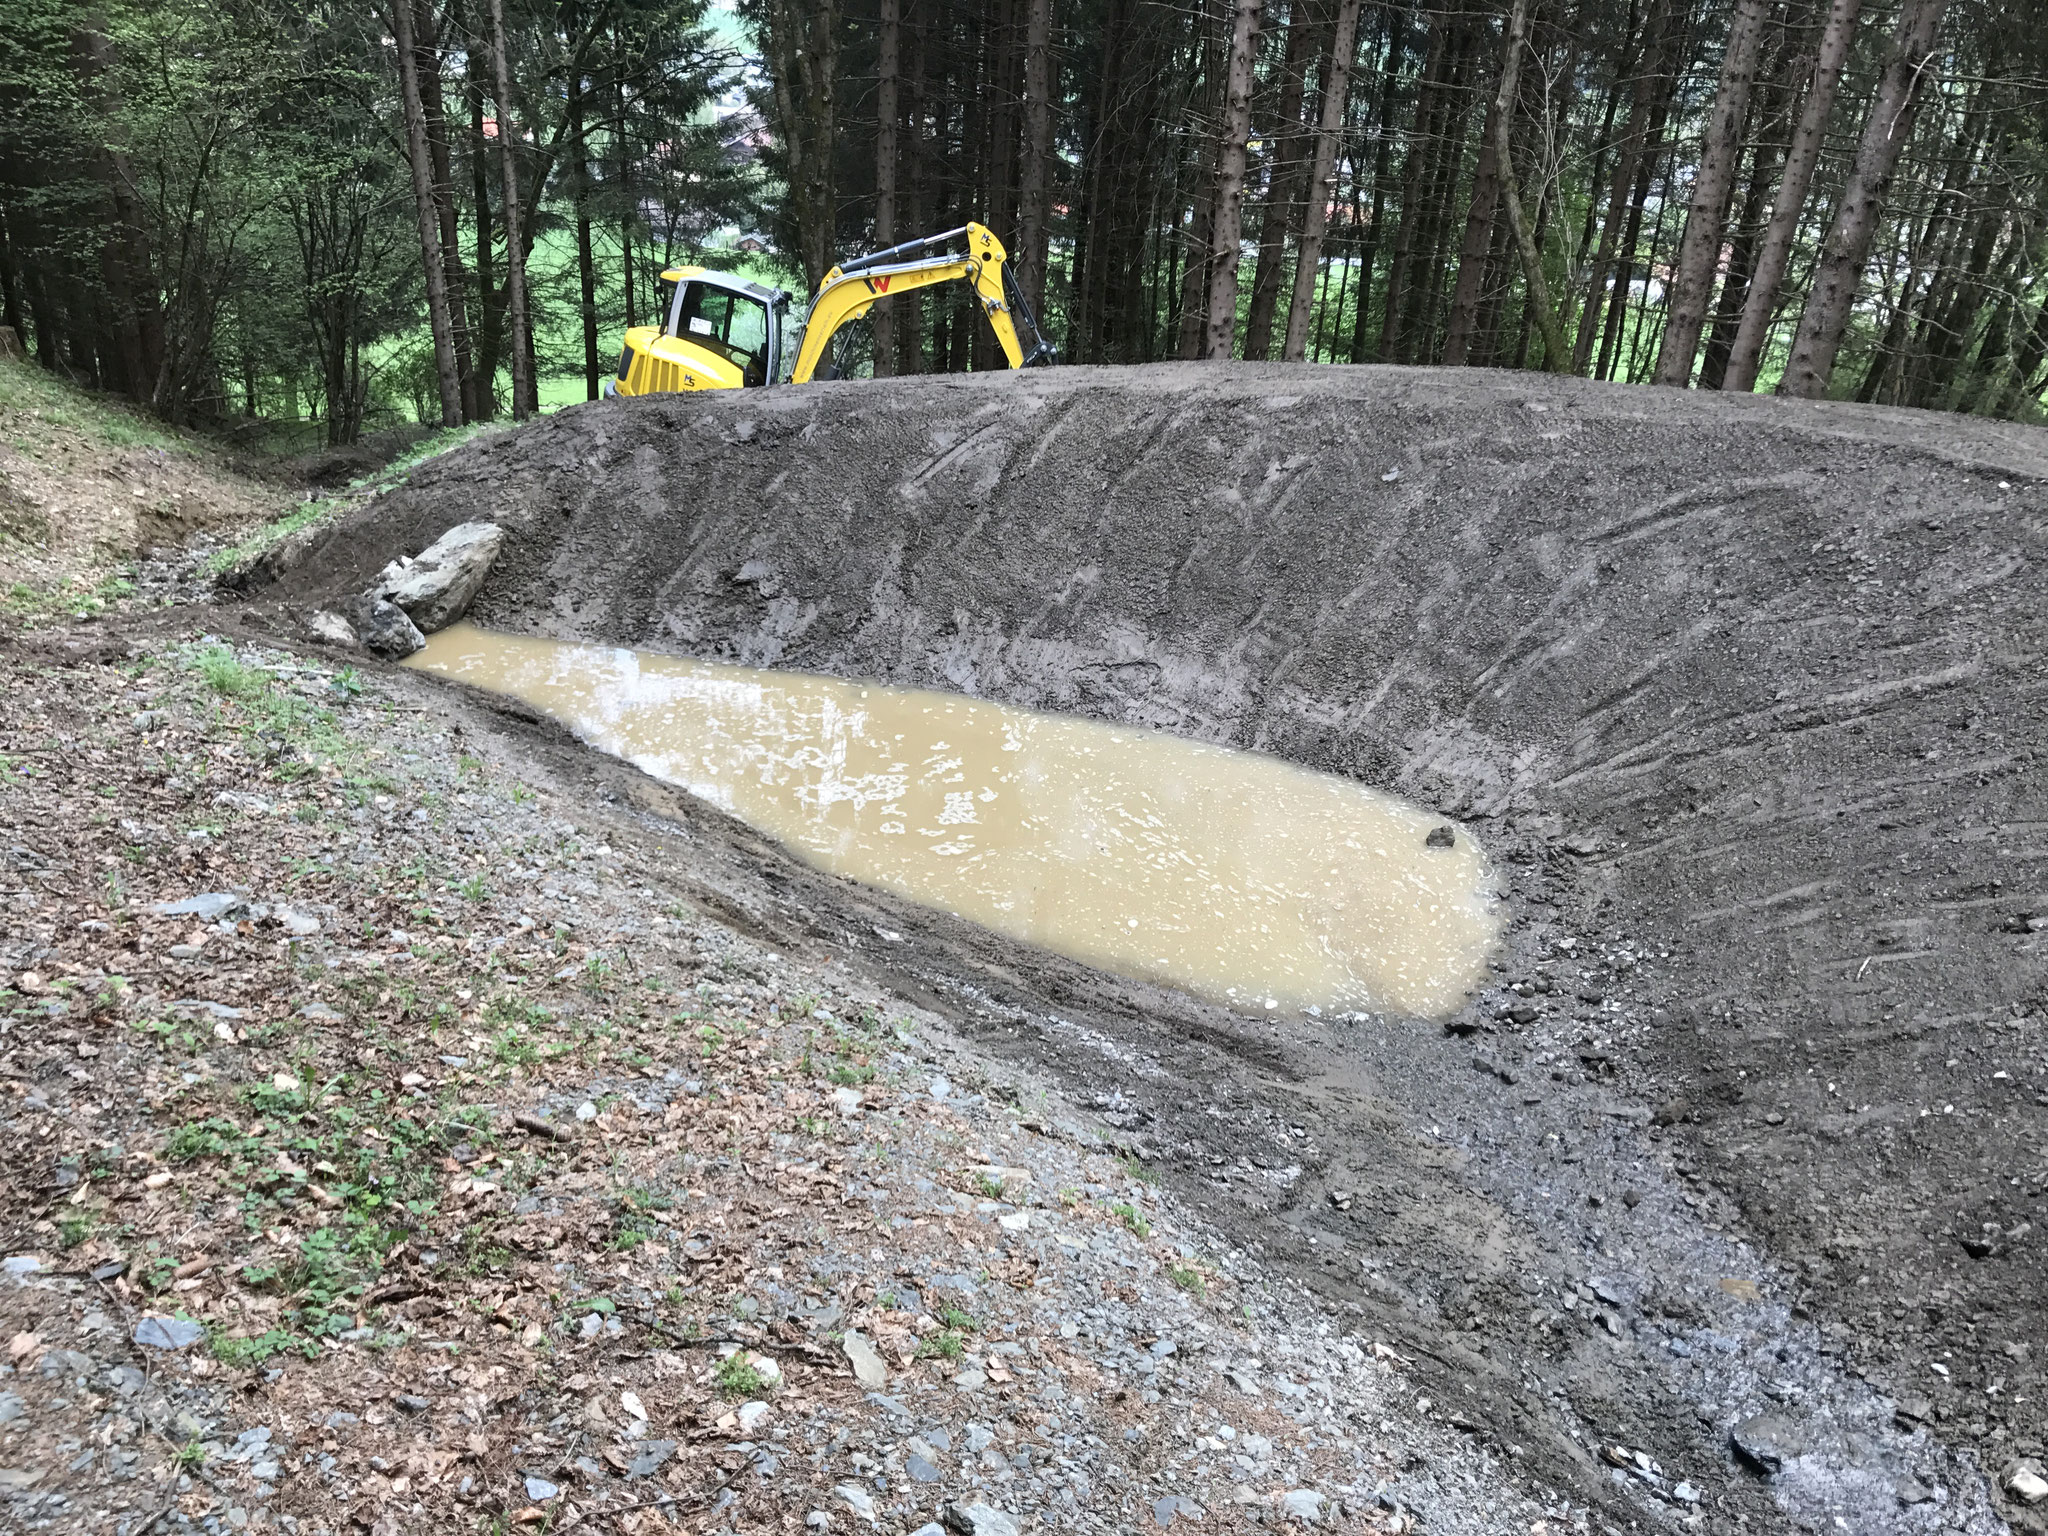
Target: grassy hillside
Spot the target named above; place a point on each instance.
(90, 486)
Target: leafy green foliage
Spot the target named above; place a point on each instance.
(203, 1138)
(247, 1353)
(74, 1227)
(266, 202)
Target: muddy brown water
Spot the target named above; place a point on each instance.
(1234, 875)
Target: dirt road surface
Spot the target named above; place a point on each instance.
(1739, 1160)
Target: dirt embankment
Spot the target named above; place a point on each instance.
(1746, 694)
(87, 484)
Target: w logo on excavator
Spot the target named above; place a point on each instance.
(878, 284)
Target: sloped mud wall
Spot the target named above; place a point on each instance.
(1747, 695)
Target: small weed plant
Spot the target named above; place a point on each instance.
(950, 1344)
(1133, 1219)
(738, 1377)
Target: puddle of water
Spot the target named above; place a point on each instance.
(1232, 875)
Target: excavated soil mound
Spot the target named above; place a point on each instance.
(1746, 695)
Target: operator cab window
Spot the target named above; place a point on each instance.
(727, 323)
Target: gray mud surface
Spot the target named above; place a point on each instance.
(1746, 698)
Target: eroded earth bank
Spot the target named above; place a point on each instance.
(1737, 1163)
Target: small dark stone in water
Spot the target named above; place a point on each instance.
(1441, 837)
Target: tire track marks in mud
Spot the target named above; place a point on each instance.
(1680, 658)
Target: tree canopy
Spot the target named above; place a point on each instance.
(232, 209)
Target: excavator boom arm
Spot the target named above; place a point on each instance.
(850, 290)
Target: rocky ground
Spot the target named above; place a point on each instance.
(393, 1140)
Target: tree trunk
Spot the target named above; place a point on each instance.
(1884, 356)
(1642, 350)
(1596, 177)
(1774, 252)
(1283, 180)
(586, 262)
(10, 287)
(429, 219)
(524, 398)
(49, 328)
(1421, 142)
(490, 307)
(126, 264)
(2014, 381)
(1034, 195)
(916, 197)
(434, 110)
(622, 189)
(1630, 170)
(1770, 125)
(1429, 256)
(1941, 307)
(1949, 332)
(1930, 250)
(1556, 356)
(1003, 76)
(888, 84)
(1502, 262)
(1102, 134)
(803, 48)
(1840, 269)
(1330, 317)
(972, 340)
(1624, 269)
(1464, 315)
(1546, 203)
(1194, 301)
(1699, 248)
(1741, 264)
(1227, 239)
(1987, 372)
(1322, 180)
(1382, 163)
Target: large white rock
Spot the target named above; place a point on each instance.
(436, 588)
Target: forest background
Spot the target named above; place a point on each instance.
(320, 218)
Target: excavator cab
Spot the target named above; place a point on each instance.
(719, 331)
(726, 332)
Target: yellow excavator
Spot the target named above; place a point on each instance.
(727, 332)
